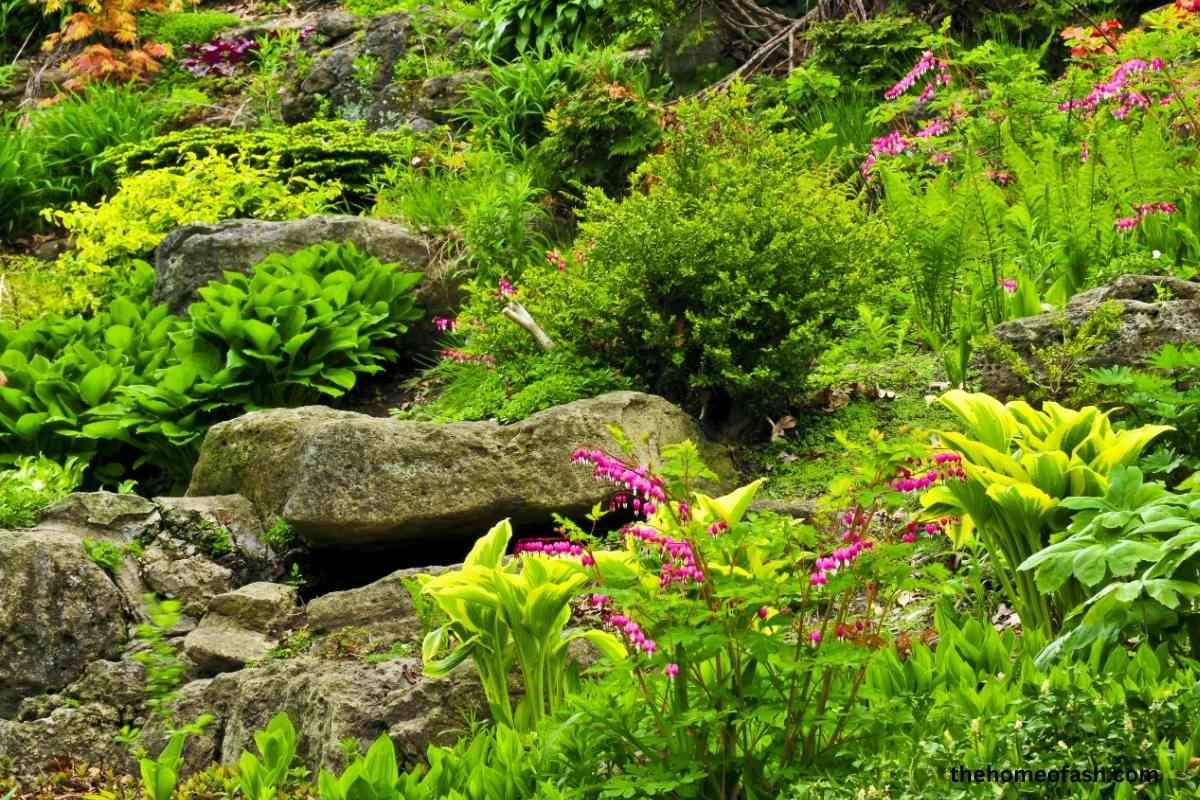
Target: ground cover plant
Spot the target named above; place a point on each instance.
(825, 231)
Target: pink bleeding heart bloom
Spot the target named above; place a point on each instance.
(672, 670)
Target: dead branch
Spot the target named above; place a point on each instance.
(517, 313)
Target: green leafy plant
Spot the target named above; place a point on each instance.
(302, 325)
(280, 536)
(262, 780)
(104, 554)
(1137, 551)
(1165, 391)
(500, 614)
(509, 27)
(160, 776)
(1019, 465)
(164, 671)
(32, 483)
(73, 133)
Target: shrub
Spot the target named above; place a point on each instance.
(321, 152)
(178, 28)
(693, 286)
(31, 484)
(151, 204)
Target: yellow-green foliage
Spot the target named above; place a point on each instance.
(149, 205)
(1020, 463)
(30, 288)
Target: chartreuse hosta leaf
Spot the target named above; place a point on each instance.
(732, 507)
(516, 611)
(1020, 464)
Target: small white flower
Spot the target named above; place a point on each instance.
(1018, 725)
(38, 484)
(1156, 254)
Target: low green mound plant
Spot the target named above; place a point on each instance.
(178, 28)
(318, 153)
(513, 390)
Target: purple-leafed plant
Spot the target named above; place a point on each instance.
(222, 57)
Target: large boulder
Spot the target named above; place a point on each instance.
(343, 479)
(58, 612)
(1146, 323)
(191, 256)
(328, 701)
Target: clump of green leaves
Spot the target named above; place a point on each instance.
(333, 312)
(34, 482)
(104, 554)
(1165, 391)
(280, 536)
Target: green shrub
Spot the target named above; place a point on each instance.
(31, 484)
(321, 152)
(723, 278)
(178, 28)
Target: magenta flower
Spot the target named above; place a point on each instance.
(935, 128)
(927, 62)
(506, 288)
(1009, 285)
(815, 637)
(444, 324)
(672, 670)
(762, 612)
(459, 357)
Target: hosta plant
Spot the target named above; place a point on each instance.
(302, 325)
(502, 612)
(1137, 550)
(1019, 464)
